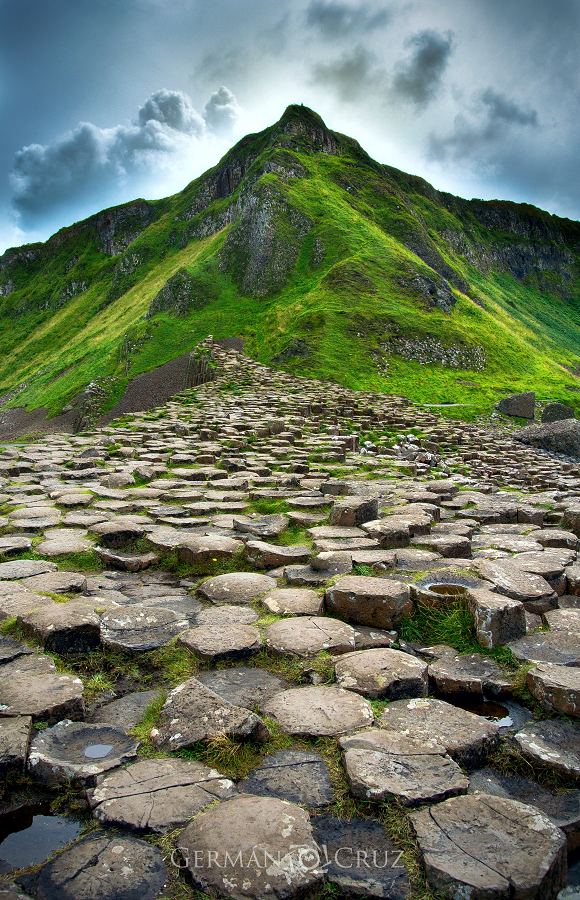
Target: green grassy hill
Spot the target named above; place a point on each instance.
(329, 265)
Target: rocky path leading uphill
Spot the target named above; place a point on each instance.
(280, 639)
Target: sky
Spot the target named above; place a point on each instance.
(102, 102)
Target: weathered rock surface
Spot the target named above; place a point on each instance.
(243, 686)
(64, 627)
(369, 601)
(484, 846)
(308, 635)
(240, 587)
(157, 795)
(76, 752)
(193, 713)
(294, 602)
(126, 712)
(294, 775)
(467, 738)
(235, 642)
(139, 628)
(521, 405)
(14, 742)
(556, 688)
(559, 437)
(469, 674)
(273, 854)
(382, 674)
(554, 743)
(382, 765)
(319, 711)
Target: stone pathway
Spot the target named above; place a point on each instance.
(255, 571)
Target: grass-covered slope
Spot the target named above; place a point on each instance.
(326, 262)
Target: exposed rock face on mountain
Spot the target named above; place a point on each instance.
(297, 239)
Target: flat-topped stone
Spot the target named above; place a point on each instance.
(557, 647)
(64, 627)
(157, 795)
(14, 743)
(294, 602)
(139, 627)
(126, 562)
(254, 831)
(234, 642)
(469, 674)
(468, 738)
(308, 635)
(110, 867)
(562, 809)
(224, 616)
(555, 743)
(382, 674)
(204, 548)
(243, 686)
(194, 713)
(268, 556)
(47, 697)
(77, 752)
(485, 846)
(238, 587)
(556, 688)
(319, 711)
(295, 775)
(263, 527)
(25, 568)
(369, 601)
(57, 583)
(381, 765)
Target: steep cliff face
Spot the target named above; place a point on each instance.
(315, 255)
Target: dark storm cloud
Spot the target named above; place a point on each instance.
(419, 79)
(89, 158)
(351, 75)
(335, 19)
(493, 117)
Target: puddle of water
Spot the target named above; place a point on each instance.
(30, 835)
(488, 709)
(98, 751)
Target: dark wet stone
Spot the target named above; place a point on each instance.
(358, 856)
(293, 775)
(100, 866)
(77, 752)
(126, 712)
(243, 686)
(562, 809)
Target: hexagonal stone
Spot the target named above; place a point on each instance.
(157, 795)
(566, 620)
(294, 775)
(57, 583)
(12, 544)
(556, 537)
(294, 602)
(562, 809)
(308, 635)
(14, 741)
(103, 866)
(116, 535)
(205, 548)
(450, 546)
(234, 642)
(381, 765)
(268, 556)
(11, 649)
(263, 527)
(383, 674)
(319, 711)
(126, 562)
(498, 620)
(126, 712)
(77, 752)
(20, 602)
(243, 686)
(64, 627)
(193, 713)
(557, 647)
(139, 628)
(60, 546)
(469, 674)
(556, 743)
(224, 616)
(360, 858)
(47, 697)
(239, 587)
(557, 688)
(513, 583)
(484, 846)
(25, 568)
(370, 601)
(271, 851)
(28, 664)
(467, 738)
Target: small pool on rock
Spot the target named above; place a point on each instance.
(30, 834)
(454, 590)
(98, 751)
(487, 709)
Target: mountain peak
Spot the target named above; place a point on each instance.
(300, 125)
